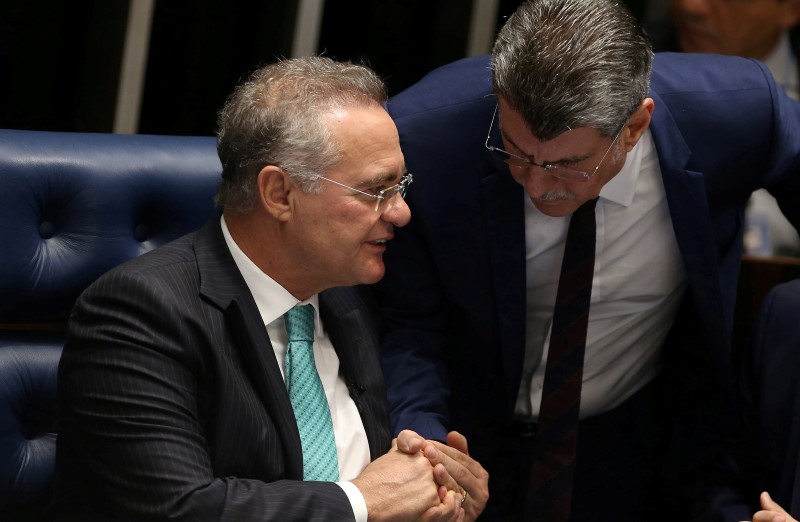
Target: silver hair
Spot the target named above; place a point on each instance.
(277, 117)
(566, 64)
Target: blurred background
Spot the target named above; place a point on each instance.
(166, 66)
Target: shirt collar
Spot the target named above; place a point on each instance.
(271, 298)
(621, 188)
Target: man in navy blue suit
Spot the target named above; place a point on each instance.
(769, 458)
(572, 106)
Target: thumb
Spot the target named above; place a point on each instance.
(770, 505)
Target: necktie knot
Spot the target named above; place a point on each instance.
(300, 323)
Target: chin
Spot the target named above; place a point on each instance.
(370, 275)
(556, 208)
(374, 279)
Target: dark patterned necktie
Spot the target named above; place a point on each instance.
(550, 495)
(310, 405)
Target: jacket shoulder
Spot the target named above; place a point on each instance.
(463, 81)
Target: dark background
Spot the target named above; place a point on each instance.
(60, 59)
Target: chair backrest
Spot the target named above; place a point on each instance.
(72, 206)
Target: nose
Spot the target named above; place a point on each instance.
(537, 182)
(397, 212)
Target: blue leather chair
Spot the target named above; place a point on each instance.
(73, 206)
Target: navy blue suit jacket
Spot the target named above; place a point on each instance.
(776, 395)
(172, 404)
(766, 455)
(454, 291)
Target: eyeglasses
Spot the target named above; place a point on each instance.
(384, 199)
(558, 171)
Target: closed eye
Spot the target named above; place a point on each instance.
(376, 191)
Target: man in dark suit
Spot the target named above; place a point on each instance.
(173, 404)
(766, 451)
(503, 152)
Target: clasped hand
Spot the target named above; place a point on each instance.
(454, 471)
(418, 479)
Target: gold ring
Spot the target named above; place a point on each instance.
(464, 496)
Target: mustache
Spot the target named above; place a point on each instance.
(555, 195)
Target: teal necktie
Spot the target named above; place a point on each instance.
(308, 398)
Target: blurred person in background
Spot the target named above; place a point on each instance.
(766, 30)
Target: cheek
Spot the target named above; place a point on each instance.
(589, 190)
(353, 224)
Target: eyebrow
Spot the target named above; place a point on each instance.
(381, 178)
(569, 159)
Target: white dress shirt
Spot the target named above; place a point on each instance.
(352, 447)
(639, 280)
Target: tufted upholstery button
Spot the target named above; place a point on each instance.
(140, 233)
(27, 416)
(47, 229)
(73, 205)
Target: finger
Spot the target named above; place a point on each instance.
(461, 467)
(452, 474)
(766, 501)
(770, 505)
(443, 478)
(469, 475)
(447, 510)
(459, 457)
(457, 441)
(442, 491)
(409, 442)
(450, 485)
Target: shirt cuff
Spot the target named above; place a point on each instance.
(356, 500)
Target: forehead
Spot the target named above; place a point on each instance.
(368, 140)
(570, 143)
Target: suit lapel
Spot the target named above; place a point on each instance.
(223, 285)
(354, 335)
(503, 203)
(692, 223)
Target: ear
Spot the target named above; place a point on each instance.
(637, 124)
(790, 15)
(274, 188)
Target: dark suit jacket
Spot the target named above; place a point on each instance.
(766, 455)
(454, 291)
(776, 394)
(173, 405)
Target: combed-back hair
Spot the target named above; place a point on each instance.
(277, 117)
(565, 64)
